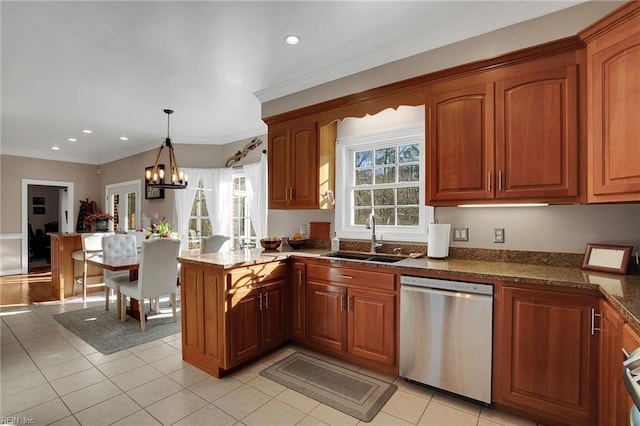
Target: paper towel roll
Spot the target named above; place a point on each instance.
(438, 240)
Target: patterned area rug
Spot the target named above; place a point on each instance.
(346, 390)
(102, 329)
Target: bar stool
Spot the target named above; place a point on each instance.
(91, 246)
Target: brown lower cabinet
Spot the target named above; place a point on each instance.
(546, 354)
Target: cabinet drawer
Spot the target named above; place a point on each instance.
(256, 274)
(356, 277)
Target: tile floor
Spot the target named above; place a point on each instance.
(50, 376)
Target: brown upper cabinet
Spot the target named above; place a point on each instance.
(613, 102)
(301, 164)
(505, 135)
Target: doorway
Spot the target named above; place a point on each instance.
(47, 206)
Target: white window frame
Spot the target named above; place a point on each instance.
(345, 148)
(122, 189)
(253, 241)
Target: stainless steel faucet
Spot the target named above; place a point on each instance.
(372, 225)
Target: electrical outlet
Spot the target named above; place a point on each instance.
(498, 235)
(303, 229)
(460, 234)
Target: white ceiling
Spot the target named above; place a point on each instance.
(112, 67)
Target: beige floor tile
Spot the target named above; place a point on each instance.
(212, 388)
(170, 364)
(58, 357)
(298, 400)
(188, 375)
(90, 395)
(267, 386)
(384, 419)
(98, 358)
(413, 388)
(493, 416)
(242, 401)
(67, 421)
(21, 383)
(120, 365)
(77, 381)
(137, 377)
(380, 376)
(44, 414)
(274, 412)
(438, 414)
(13, 367)
(311, 421)
(176, 407)
(154, 391)
(249, 372)
(158, 352)
(208, 415)
(277, 355)
(332, 416)
(108, 411)
(139, 418)
(66, 368)
(458, 403)
(146, 346)
(406, 406)
(28, 398)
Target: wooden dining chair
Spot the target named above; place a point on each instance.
(212, 244)
(91, 246)
(157, 276)
(117, 245)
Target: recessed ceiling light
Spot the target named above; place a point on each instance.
(124, 138)
(72, 140)
(55, 148)
(86, 131)
(292, 39)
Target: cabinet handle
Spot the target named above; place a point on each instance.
(342, 303)
(500, 180)
(260, 301)
(489, 181)
(348, 277)
(348, 304)
(266, 300)
(291, 195)
(593, 321)
(300, 277)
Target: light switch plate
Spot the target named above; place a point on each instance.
(460, 234)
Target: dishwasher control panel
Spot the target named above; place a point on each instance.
(461, 286)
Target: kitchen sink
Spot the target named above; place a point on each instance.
(366, 257)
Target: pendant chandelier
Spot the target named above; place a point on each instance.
(155, 175)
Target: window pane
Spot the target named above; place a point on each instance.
(203, 207)
(409, 173)
(238, 226)
(364, 177)
(383, 197)
(408, 195)
(239, 184)
(193, 224)
(385, 216)
(206, 228)
(238, 206)
(385, 156)
(364, 159)
(195, 207)
(361, 216)
(408, 216)
(407, 153)
(362, 198)
(385, 174)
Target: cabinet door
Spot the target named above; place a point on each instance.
(273, 321)
(612, 406)
(614, 148)
(371, 325)
(56, 289)
(547, 354)
(278, 165)
(460, 159)
(326, 309)
(243, 307)
(304, 166)
(298, 312)
(630, 342)
(537, 135)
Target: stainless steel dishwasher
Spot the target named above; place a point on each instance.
(446, 335)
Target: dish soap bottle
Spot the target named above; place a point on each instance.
(335, 243)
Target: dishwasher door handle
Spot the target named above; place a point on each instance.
(427, 290)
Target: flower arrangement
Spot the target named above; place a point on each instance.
(94, 217)
(161, 229)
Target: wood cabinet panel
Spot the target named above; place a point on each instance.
(612, 398)
(297, 284)
(256, 275)
(278, 164)
(304, 166)
(243, 322)
(273, 319)
(548, 355)
(353, 277)
(371, 325)
(326, 315)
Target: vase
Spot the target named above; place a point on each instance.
(102, 225)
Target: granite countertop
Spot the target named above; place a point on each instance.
(622, 291)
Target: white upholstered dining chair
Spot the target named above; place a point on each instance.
(140, 236)
(91, 246)
(157, 276)
(117, 245)
(212, 244)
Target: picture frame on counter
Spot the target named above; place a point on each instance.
(607, 258)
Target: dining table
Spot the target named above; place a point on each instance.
(120, 263)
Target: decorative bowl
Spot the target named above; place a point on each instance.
(296, 244)
(271, 243)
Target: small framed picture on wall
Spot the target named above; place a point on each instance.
(38, 210)
(38, 201)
